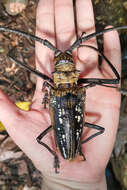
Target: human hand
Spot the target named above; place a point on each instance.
(102, 104)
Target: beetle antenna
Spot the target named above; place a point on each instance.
(30, 36)
(95, 34)
(36, 72)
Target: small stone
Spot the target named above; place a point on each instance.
(14, 7)
(125, 5)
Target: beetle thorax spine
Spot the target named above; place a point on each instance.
(65, 75)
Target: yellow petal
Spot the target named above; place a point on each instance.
(23, 105)
(1, 127)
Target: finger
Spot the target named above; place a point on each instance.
(85, 16)
(112, 52)
(44, 56)
(85, 23)
(8, 110)
(64, 20)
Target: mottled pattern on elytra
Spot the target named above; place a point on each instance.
(67, 119)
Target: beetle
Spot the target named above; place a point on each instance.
(66, 95)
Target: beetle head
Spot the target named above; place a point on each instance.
(64, 61)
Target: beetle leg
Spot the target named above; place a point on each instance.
(46, 94)
(46, 84)
(45, 99)
(92, 84)
(92, 126)
(81, 153)
(100, 81)
(39, 138)
(6, 135)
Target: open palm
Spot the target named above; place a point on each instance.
(102, 104)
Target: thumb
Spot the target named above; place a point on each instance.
(8, 110)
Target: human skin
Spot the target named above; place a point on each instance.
(102, 104)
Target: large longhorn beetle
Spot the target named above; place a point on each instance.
(66, 96)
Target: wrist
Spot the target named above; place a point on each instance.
(63, 184)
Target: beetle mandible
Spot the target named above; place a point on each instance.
(66, 96)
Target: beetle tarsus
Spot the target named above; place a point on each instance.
(56, 164)
(45, 99)
(81, 154)
(46, 84)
